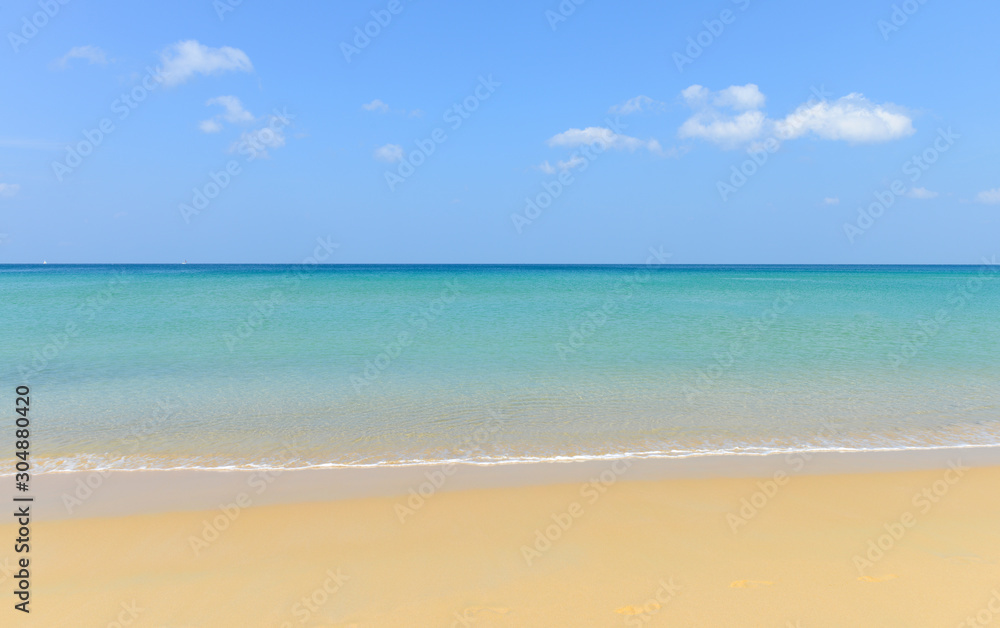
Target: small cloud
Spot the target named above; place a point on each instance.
(381, 107)
(92, 54)
(637, 105)
(740, 97)
(234, 111)
(575, 161)
(831, 200)
(256, 142)
(605, 137)
(9, 189)
(921, 193)
(183, 60)
(210, 126)
(990, 197)
(389, 153)
(376, 105)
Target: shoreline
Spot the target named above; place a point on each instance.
(557, 459)
(115, 493)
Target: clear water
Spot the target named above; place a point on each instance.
(290, 366)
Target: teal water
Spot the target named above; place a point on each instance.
(290, 366)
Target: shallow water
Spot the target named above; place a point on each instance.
(288, 366)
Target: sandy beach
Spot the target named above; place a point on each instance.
(768, 547)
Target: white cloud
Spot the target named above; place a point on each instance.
(733, 116)
(210, 126)
(234, 111)
(389, 153)
(695, 96)
(376, 105)
(852, 118)
(606, 139)
(184, 59)
(724, 129)
(831, 200)
(990, 197)
(574, 161)
(921, 193)
(637, 105)
(255, 143)
(92, 54)
(740, 97)
(9, 189)
(603, 136)
(379, 106)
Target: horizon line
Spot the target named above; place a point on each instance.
(493, 264)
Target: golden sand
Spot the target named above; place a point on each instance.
(918, 548)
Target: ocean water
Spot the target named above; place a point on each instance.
(288, 366)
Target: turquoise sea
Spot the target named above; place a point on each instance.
(170, 366)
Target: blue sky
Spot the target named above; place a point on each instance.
(526, 131)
